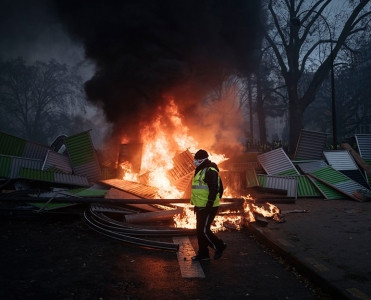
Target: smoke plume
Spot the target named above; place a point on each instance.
(148, 50)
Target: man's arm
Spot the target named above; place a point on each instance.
(211, 179)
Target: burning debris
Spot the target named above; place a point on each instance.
(155, 86)
(155, 70)
(152, 192)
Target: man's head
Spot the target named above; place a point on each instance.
(200, 156)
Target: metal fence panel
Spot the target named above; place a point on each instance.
(276, 162)
(364, 145)
(54, 160)
(310, 145)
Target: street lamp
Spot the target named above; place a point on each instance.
(297, 23)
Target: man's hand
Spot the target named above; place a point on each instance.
(209, 206)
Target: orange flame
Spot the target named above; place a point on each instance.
(128, 175)
(162, 140)
(227, 220)
(159, 147)
(250, 208)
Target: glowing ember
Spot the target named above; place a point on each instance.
(124, 140)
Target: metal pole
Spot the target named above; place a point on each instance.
(333, 101)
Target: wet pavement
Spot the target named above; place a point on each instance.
(56, 257)
(328, 240)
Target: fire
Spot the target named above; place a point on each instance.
(270, 212)
(187, 218)
(159, 147)
(162, 140)
(217, 158)
(251, 208)
(124, 140)
(228, 219)
(128, 174)
(160, 144)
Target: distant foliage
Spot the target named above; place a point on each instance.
(38, 102)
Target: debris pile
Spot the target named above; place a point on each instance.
(68, 173)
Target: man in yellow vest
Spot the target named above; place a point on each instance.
(207, 189)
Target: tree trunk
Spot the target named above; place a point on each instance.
(249, 83)
(296, 112)
(293, 53)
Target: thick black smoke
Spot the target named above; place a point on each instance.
(147, 49)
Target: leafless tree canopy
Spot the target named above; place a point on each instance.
(39, 100)
(306, 37)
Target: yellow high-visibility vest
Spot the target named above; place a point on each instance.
(200, 190)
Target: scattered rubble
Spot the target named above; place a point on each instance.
(67, 173)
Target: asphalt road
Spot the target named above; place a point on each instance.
(330, 243)
(58, 257)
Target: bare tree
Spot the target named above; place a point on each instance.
(297, 29)
(37, 101)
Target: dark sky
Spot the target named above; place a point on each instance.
(143, 50)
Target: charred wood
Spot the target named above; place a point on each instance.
(260, 220)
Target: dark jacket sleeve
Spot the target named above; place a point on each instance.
(211, 179)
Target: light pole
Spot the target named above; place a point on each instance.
(296, 22)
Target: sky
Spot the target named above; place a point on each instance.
(32, 30)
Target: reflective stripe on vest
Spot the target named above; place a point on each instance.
(200, 184)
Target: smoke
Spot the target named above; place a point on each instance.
(29, 29)
(146, 51)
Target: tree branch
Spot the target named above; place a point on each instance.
(324, 67)
(278, 55)
(277, 25)
(317, 14)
